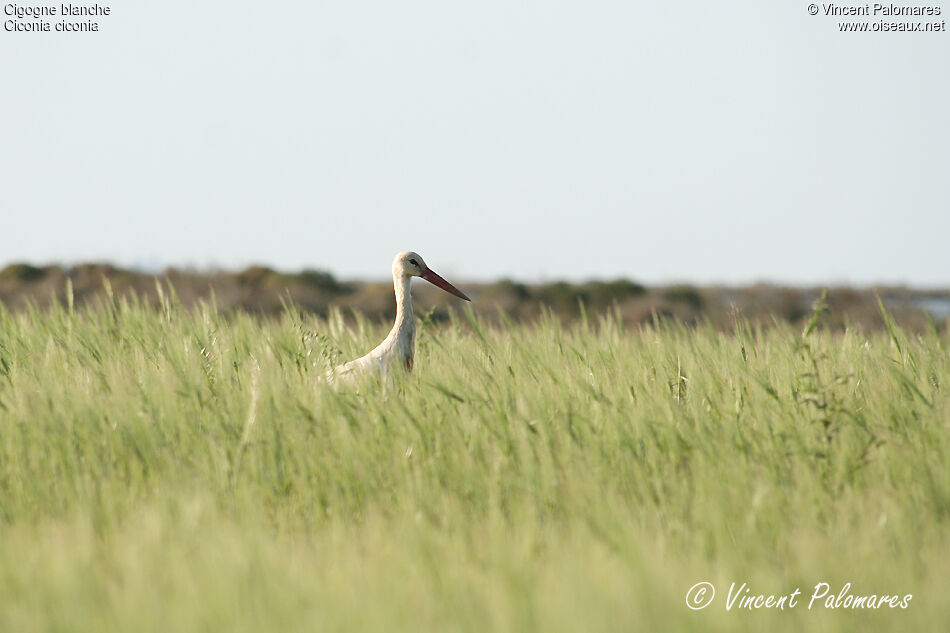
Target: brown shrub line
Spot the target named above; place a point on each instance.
(262, 290)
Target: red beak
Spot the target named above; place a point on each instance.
(429, 275)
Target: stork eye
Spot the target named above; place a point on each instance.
(413, 262)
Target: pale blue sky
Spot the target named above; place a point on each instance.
(697, 141)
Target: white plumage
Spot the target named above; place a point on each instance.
(398, 348)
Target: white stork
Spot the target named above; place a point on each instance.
(398, 348)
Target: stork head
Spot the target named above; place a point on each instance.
(410, 264)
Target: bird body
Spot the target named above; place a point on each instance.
(397, 349)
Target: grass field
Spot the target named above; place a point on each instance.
(177, 470)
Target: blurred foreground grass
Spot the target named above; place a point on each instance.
(175, 470)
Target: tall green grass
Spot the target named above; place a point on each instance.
(179, 470)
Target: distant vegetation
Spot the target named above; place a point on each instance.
(263, 290)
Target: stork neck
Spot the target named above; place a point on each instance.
(403, 301)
